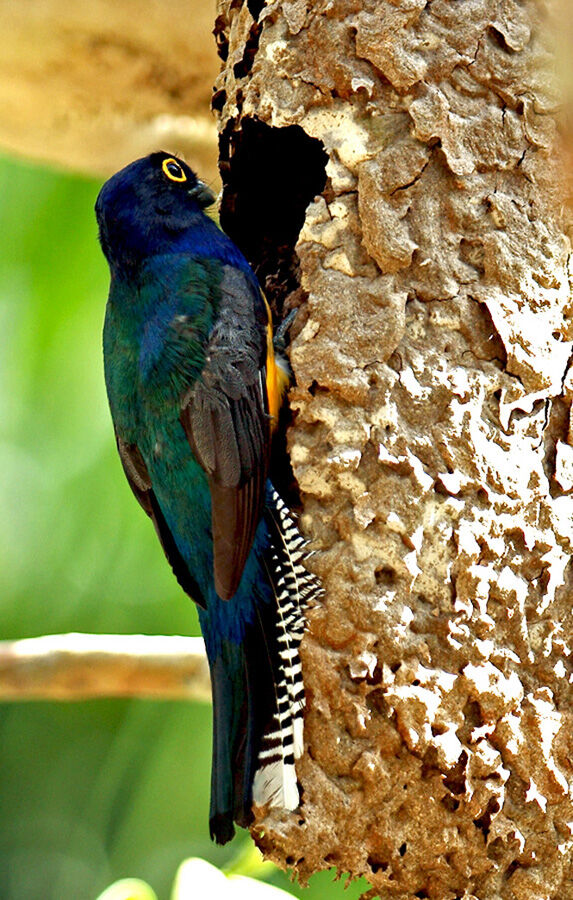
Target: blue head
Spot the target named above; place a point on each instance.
(147, 207)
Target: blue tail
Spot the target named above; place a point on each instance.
(252, 642)
(243, 684)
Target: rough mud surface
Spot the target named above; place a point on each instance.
(432, 443)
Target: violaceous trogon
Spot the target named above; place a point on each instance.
(194, 387)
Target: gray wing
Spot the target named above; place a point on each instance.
(226, 421)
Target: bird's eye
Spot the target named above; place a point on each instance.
(173, 170)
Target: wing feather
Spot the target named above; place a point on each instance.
(140, 483)
(226, 420)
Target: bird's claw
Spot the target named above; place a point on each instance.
(280, 338)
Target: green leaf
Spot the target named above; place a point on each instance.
(249, 861)
(243, 888)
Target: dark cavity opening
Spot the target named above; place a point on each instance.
(244, 66)
(255, 8)
(377, 865)
(270, 175)
(484, 821)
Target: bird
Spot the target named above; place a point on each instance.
(195, 384)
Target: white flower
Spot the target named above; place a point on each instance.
(197, 878)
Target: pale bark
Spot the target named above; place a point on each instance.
(432, 443)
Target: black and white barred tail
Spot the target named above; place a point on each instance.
(295, 589)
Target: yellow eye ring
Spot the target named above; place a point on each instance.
(173, 170)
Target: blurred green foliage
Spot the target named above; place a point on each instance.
(96, 791)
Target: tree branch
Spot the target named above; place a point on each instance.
(85, 666)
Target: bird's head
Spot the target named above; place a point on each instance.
(145, 207)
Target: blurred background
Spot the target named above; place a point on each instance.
(94, 791)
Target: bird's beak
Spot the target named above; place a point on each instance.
(202, 194)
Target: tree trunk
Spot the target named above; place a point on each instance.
(432, 440)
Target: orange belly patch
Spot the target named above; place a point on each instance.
(277, 376)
